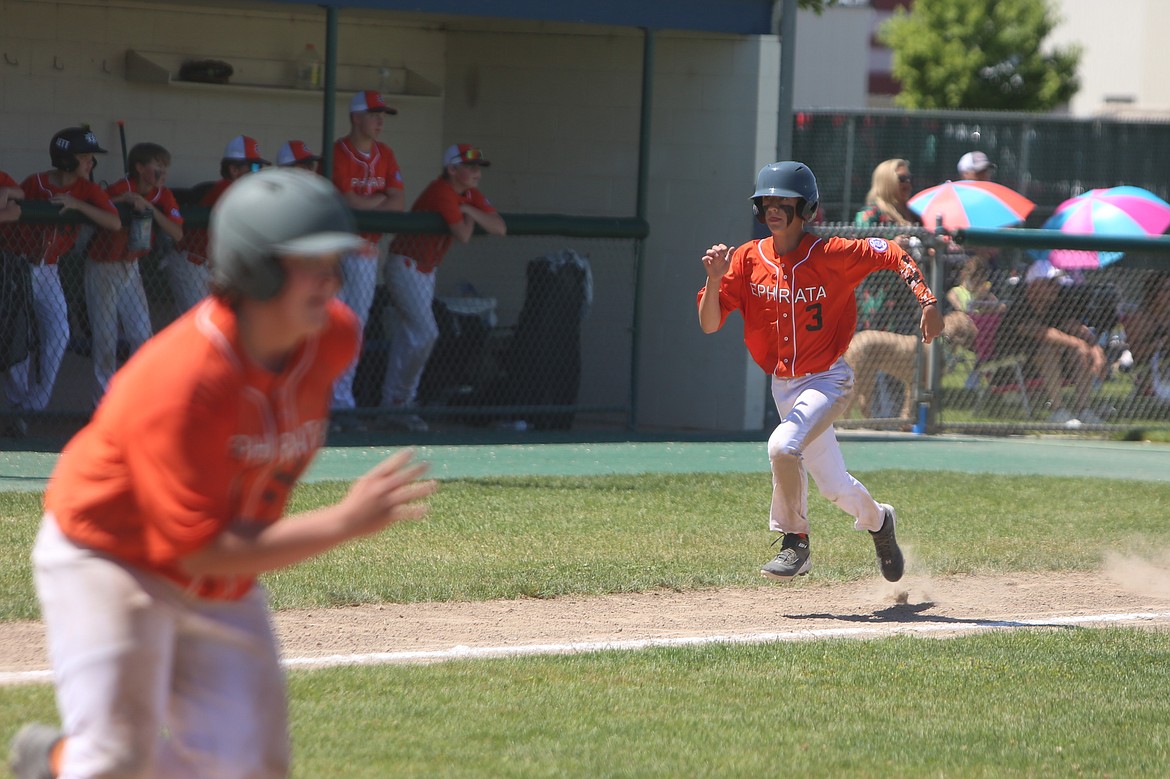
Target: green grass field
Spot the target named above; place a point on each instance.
(1068, 702)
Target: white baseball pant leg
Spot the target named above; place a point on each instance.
(27, 389)
(359, 277)
(805, 439)
(114, 295)
(153, 682)
(411, 294)
(188, 281)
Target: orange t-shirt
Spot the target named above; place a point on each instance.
(47, 242)
(426, 249)
(195, 240)
(191, 437)
(365, 173)
(800, 309)
(111, 247)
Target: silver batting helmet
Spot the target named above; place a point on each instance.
(269, 213)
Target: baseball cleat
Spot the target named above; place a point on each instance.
(889, 556)
(793, 559)
(28, 757)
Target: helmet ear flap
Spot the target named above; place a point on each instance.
(758, 209)
(808, 209)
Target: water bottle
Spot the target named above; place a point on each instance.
(309, 68)
(141, 225)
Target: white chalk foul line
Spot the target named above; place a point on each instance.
(484, 652)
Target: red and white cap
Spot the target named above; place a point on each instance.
(371, 102)
(244, 149)
(295, 151)
(464, 154)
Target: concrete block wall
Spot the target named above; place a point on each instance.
(64, 63)
(557, 110)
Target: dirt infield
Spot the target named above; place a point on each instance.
(1124, 586)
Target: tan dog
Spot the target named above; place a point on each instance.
(897, 355)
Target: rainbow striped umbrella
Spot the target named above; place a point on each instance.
(1114, 211)
(971, 204)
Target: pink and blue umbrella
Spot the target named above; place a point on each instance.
(1117, 211)
(965, 204)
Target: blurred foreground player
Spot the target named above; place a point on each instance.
(164, 509)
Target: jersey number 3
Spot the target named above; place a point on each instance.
(818, 320)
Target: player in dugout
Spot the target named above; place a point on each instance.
(795, 292)
(165, 508)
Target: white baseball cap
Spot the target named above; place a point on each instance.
(295, 151)
(1042, 270)
(975, 162)
(371, 102)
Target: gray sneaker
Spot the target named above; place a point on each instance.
(28, 756)
(793, 559)
(889, 556)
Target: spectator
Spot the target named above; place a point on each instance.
(28, 385)
(795, 292)
(973, 292)
(885, 204)
(1147, 333)
(975, 166)
(187, 269)
(1057, 346)
(163, 511)
(410, 273)
(297, 154)
(114, 295)
(366, 172)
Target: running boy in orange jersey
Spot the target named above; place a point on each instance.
(366, 172)
(164, 509)
(114, 296)
(29, 387)
(410, 272)
(795, 292)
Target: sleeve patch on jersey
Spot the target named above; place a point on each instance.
(878, 244)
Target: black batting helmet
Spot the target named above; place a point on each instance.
(786, 179)
(70, 142)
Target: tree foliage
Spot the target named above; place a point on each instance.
(980, 54)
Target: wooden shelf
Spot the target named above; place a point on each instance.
(267, 76)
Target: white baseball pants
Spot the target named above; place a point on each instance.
(415, 331)
(153, 682)
(359, 276)
(25, 388)
(805, 443)
(114, 296)
(189, 282)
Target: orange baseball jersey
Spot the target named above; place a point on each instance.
(428, 250)
(193, 436)
(195, 241)
(800, 309)
(365, 173)
(45, 243)
(111, 247)
(6, 182)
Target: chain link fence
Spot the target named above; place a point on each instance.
(529, 331)
(1027, 346)
(1046, 158)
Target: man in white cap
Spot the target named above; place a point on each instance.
(975, 166)
(366, 172)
